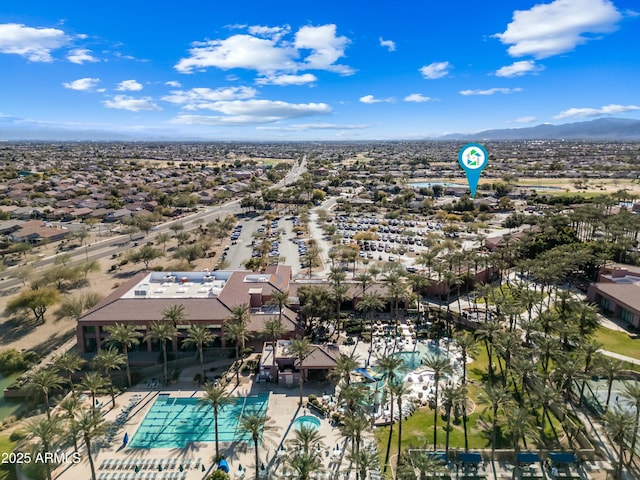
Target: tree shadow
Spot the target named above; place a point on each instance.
(16, 328)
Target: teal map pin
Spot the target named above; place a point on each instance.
(473, 157)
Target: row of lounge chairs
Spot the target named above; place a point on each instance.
(149, 464)
(142, 476)
(122, 417)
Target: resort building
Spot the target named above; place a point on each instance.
(285, 368)
(618, 291)
(208, 299)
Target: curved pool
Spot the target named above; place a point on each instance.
(308, 421)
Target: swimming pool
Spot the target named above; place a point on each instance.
(308, 421)
(174, 422)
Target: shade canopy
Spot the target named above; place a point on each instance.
(528, 457)
(470, 457)
(562, 457)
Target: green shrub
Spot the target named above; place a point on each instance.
(12, 361)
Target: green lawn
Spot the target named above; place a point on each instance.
(619, 342)
(7, 472)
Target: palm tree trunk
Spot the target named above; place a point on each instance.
(164, 358)
(201, 362)
(215, 425)
(386, 457)
(301, 383)
(399, 426)
(446, 439)
(113, 395)
(494, 432)
(435, 417)
(126, 355)
(47, 464)
(93, 468)
(257, 458)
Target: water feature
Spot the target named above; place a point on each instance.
(308, 421)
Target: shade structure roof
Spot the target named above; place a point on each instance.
(528, 457)
(471, 458)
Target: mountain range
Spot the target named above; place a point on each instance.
(599, 129)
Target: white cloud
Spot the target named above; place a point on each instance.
(173, 83)
(435, 70)
(270, 32)
(417, 98)
(286, 79)
(80, 56)
(253, 111)
(82, 84)
(326, 48)
(371, 99)
(490, 91)
(517, 69)
(129, 86)
(35, 44)
(557, 27)
(527, 119)
(201, 97)
(595, 112)
(124, 102)
(271, 55)
(303, 127)
(388, 44)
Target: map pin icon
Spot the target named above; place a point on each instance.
(473, 157)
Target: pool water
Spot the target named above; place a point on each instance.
(175, 422)
(307, 421)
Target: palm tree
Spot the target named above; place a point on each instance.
(307, 439)
(370, 303)
(364, 461)
(47, 431)
(440, 366)
(240, 314)
(70, 363)
(452, 398)
(274, 329)
(496, 396)
(399, 390)
(345, 365)
(108, 361)
(488, 332)
(304, 464)
(237, 333)
(428, 465)
(126, 336)
(217, 397)
(610, 368)
(255, 424)
(199, 336)
(301, 348)
(354, 397)
(588, 349)
(162, 332)
(70, 405)
(92, 426)
(519, 424)
(632, 392)
(618, 424)
(547, 397)
(174, 314)
(468, 349)
(391, 366)
(95, 383)
(43, 382)
(280, 300)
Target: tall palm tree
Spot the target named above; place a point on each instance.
(301, 348)
(391, 367)
(279, 299)
(345, 365)
(353, 428)
(370, 303)
(108, 361)
(354, 398)
(488, 332)
(307, 439)
(255, 424)
(304, 464)
(428, 465)
(588, 348)
(125, 335)
(48, 432)
(548, 397)
(632, 392)
(364, 460)
(43, 382)
(70, 405)
(95, 383)
(162, 332)
(174, 314)
(618, 425)
(453, 397)
(496, 396)
(519, 424)
(199, 336)
(610, 368)
(217, 397)
(70, 363)
(440, 366)
(274, 329)
(399, 391)
(92, 426)
(240, 314)
(468, 348)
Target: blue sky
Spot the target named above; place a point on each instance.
(296, 70)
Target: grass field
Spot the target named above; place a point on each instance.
(7, 472)
(623, 343)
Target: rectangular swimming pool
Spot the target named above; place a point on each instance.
(174, 422)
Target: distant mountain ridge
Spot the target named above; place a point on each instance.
(599, 129)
